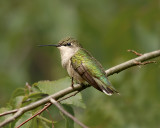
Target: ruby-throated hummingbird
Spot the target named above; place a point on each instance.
(82, 66)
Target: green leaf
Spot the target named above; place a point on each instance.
(23, 118)
(69, 123)
(35, 123)
(34, 96)
(43, 124)
(34, 88)
(17, 102)
(75, 100)
(18, 92)
(51, 87)
(44, 119)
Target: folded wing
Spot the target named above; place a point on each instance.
(91, 71)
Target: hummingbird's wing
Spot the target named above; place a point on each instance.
(91, 71)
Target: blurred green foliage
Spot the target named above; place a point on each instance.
(30, 94)
(107, 28)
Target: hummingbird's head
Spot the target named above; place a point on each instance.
(68, 46)
(69, 42)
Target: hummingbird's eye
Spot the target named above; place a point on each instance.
(68, 44)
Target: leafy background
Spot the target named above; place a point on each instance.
(107, 28)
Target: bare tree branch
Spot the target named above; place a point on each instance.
(131, 63)
(45, 108)
(8, 112)
(67, 113)
(78, 87)
(41, 102)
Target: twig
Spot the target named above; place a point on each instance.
(15, 110)
(131, 63)
(69, 96)
(45, 107)
(8, 112)
(40, 102)
(144, 63)
(138, 54)
(51, 118)
(67, 113)
(78, 87)
(28, 86)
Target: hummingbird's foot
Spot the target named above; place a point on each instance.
(72, 83)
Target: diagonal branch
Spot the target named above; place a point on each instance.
(60, 94)
(45, 107)
(36, 104)
(8, 112)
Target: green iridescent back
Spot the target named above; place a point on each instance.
(91, 64)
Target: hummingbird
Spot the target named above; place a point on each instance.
(82, 67)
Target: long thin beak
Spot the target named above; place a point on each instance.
(49, 45)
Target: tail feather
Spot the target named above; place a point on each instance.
(109, 90)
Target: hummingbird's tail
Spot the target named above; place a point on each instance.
(109, 90)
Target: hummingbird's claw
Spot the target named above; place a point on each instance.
(72, 83)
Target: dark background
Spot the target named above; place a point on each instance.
(107, 28)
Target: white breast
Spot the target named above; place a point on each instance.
(66, 54)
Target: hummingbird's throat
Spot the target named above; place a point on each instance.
(66, 54)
